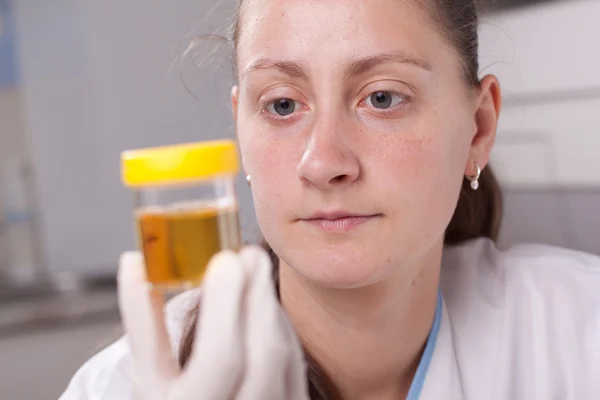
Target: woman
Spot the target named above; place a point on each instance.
(358, 123)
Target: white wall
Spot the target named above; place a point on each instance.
(548, 62)
(11, 127)
(15, 242)
(95, 83)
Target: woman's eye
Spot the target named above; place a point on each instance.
(383, 100)
(282, 107)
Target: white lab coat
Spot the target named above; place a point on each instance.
(518, 324)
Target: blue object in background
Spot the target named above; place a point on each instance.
(8, 64)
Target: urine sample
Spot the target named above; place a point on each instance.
(186, 210)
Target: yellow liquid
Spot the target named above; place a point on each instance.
(178, 244)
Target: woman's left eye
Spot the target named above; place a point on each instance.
(384, 100)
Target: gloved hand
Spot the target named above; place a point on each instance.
(244, 349)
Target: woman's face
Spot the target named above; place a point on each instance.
(356, 127)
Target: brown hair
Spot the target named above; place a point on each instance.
(478, 213)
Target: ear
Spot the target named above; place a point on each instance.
(487, 112)
(235, 94)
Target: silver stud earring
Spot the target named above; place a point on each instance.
(475, 178)
(249, 180)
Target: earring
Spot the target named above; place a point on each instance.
(249, 180)
(475, 178)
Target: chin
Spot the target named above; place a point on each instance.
(338, 268)
(343, 260)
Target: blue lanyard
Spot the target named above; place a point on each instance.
(419, 380)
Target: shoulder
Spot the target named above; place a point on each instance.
(511, 309)
(532, 268)
(108, 375)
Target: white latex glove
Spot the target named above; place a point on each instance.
(245, 348)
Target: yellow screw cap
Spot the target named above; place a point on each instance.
(180, 163)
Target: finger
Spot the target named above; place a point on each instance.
(143, 319)
(267, 350)
(216, 362)
(297, 380)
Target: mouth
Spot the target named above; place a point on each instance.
(338, 221)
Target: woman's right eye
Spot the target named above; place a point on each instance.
(282, 107)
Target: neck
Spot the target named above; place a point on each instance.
(368, 340)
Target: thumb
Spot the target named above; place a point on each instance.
(143, 320)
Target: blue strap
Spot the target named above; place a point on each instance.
(419, 380)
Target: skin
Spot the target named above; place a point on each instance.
(360, 292)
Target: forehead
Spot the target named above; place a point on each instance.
(329, 31)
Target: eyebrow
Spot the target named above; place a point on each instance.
(289, 68)
(364, 65)
(358, 67)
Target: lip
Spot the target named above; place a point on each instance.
(338, 221)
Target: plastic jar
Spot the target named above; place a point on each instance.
(186, 209)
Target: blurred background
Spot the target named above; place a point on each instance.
(81, 81)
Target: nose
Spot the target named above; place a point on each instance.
(329, 160)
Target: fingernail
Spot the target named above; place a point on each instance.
(131, 267)
(249, 255)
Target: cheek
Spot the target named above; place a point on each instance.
(271, 166)
(262, 154)
(423, 178)
(267, 152)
